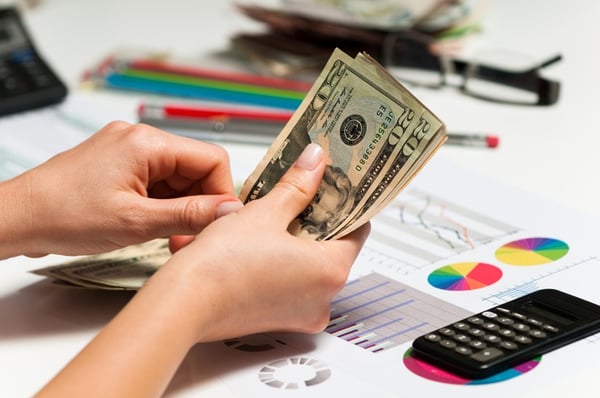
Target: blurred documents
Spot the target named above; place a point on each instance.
(376, 137)
(302, 33)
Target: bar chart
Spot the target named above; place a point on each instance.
(377, 313)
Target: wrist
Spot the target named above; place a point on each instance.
(169, 299)
(17, 226)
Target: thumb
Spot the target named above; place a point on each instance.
(188, 215)
(298, 186)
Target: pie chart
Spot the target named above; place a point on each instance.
(532, 251)
(431, 372)
(464, 276)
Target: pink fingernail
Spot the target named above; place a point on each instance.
(225, 208)
(310, 156)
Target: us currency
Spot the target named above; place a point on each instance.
(123, 269)
(375, 134)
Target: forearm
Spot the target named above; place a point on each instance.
(16, 217)
(137, 353)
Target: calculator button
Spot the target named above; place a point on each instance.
(487, 354)
(523, 339)
(535, 322)
(509, 345)
(550, 328)
(492, 338)
(521, 327)
(432, 337)
(476, 332)
(446, 332)
(502, 309)
(491, 326)
(462, 338)
(42, 80)
(461, 326)
(14, 86)
(448, 343)
(505, 320)
(506, 332)
(478, 345)
(538, 334)
(520, 317)
(463, 350)
(489, 314)
(475, 320)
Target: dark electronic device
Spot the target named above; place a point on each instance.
(509, 334)
(26, 81)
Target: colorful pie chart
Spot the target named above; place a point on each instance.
(464, 276)
(532, 251)
(431, 372)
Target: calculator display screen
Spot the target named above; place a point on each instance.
(11, 36)
(549, 313)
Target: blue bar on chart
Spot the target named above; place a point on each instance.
(378, 313)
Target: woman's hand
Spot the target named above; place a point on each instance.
(248, 274)
(124, 185)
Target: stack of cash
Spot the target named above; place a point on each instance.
(375, 134)
(123, 269)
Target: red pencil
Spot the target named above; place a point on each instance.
(202, 112)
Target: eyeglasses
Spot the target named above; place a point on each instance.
(408, 56)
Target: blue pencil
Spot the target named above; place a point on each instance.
(119, 81)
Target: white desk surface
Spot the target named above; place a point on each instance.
(549, 151)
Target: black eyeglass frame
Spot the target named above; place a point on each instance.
(416, 53)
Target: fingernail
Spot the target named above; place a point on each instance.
(310, 156)
(225, 208)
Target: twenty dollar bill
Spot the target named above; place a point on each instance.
(375, 134)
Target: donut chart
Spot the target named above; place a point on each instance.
(433, 373)
(464, 276)
(532, 251)
(294, 373)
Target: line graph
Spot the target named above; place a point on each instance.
(419, 228)
(545, 279)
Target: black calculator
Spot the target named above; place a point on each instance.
(26, 80)
(505, 336)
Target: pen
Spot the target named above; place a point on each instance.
(480, 140)
(249, 125)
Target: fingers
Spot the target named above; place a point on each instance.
(296, 189)
(351, 244)
(167, 162)
(187, 215)
(177, 242)
(190, 165)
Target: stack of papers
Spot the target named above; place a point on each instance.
(302, 33)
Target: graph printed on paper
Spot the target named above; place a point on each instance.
(545, 278)
(377, 313)
(418, 229)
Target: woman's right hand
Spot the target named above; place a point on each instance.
(245, 273)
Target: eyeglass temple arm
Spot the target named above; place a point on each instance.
(529, 80)
(548, 62)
